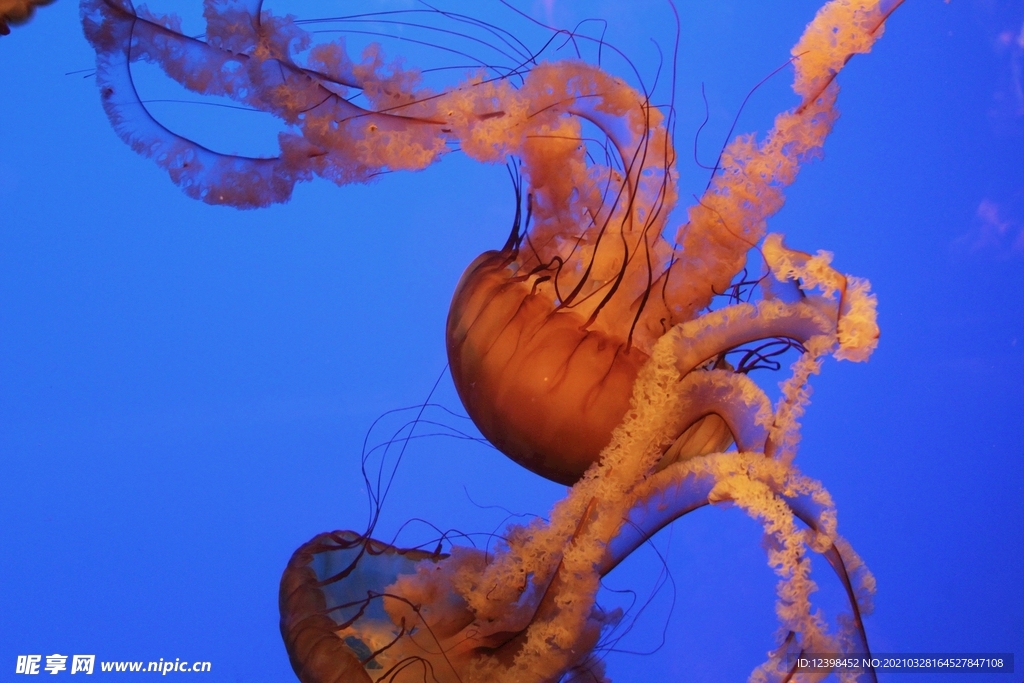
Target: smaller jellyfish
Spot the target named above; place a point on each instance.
(14, 12)
(587, 349)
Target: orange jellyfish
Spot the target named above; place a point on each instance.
(587, 349)
(17, 12)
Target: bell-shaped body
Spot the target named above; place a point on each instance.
(545, 390)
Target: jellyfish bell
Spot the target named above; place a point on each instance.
(331, 582)
(539, 385)
(343, 595)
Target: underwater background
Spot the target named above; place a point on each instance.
(185, 390)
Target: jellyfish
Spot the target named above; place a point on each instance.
(592, 348)
(17, 12)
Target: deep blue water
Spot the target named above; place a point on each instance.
(185, 389)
